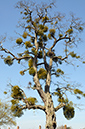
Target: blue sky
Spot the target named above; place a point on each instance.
(9, 17)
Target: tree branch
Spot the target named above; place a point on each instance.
(36, 107)
(40, 63)
(48, 80)
(39, 88)
(33, 107)
(56, 40)
(59, 106)
(45, 63)
(14, 57)
(56, 57)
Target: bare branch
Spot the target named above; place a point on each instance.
(39, 88)
(14, 57)
(33, 107)
(59, 106)
(37, 107)
(57, 40)
(40, 63)
(45, 62)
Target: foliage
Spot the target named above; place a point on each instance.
(31, 100)
(30, 63)
(17, 110)
(42, 73)
(8, 60)
(16, 92)
(19, 41)
(22, 72)
(6, 116)
(68, 112)
(32, 71)
(60, 35)
(60, 71)
(40, 54)
(28, 44)
(52, 32)
(70, 31)
(25, 35)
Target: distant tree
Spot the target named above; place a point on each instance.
(43, 31)
(6, 115)
(69, 128)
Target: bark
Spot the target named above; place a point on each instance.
(48, 80)
(59, 106)
(50, 113)
(45, 96)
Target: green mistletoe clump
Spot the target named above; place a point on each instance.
(42, 73)
(19, 41)
(8, 60)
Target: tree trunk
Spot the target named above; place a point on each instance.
(50, 113)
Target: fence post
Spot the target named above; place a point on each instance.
(17, 127)
(65, 127)
(39, 126)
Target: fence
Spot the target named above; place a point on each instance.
(65, 127)
(19, 128)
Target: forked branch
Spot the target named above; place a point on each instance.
(59, 106)
(57, 40)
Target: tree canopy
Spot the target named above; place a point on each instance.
(43, 30)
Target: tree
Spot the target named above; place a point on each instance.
(6, 115)
(42, 32)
